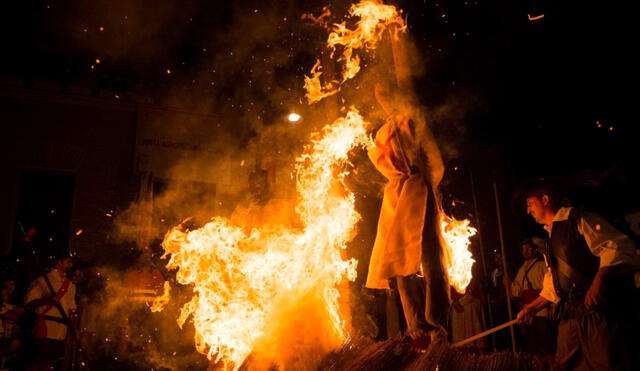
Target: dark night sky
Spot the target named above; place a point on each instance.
(552, 96)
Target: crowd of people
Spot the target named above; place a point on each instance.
(34, 328)
(578, 303)
(576, 292)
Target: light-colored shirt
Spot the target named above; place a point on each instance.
(40, 290)
(535, 270)
(604, 241)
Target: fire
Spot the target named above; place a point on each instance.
(375, 18)
(313, 85)
(456, 235)
(253, 291)
(161, 301)
(272, 292)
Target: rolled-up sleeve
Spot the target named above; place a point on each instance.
(606, 242)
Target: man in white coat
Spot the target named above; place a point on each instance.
(408, 239)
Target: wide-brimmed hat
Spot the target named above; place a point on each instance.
(554, 187)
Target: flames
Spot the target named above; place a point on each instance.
(161, 301)
(272, 292)
(249, 288)
(456, 235)
(374, 20)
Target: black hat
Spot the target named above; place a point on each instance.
(554, 187)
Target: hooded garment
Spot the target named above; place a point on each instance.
(411, 162)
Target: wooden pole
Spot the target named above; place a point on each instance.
(482, 257)
(484, 333)
(504, 259)
(400, 60)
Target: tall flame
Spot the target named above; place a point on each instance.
(249, 286)
(456, 235)
(375, 18)
(272, 291)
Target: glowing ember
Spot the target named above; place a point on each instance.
(535, 17)
(375, 18)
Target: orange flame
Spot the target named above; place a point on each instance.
(375, 18)
(248, 289)
(161, 301)
(313, 85)
(272, 291)
(456, 235)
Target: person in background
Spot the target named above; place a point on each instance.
(538, 335)
(497, 299)
(590, 279)
(52, 297)
(467, 316)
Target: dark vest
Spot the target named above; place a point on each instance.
(567, 245)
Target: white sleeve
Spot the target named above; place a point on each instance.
(606, 242)
(548, 291)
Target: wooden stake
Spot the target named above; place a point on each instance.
(483, 334)
(400, 60)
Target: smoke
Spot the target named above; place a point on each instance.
(242, 96)
(120, 330)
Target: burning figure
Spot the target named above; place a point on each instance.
(408, 239)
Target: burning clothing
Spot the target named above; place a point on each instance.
(408, 236)
(397, 250)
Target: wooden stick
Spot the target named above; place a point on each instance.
(504, 259)
(483, 334)
(400, 60)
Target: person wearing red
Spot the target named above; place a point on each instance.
(538, 335)
(52, 297)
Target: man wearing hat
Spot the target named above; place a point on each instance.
(589, 279)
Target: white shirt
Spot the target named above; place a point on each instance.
(536, 272)
(604, 241)
(39, 290)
